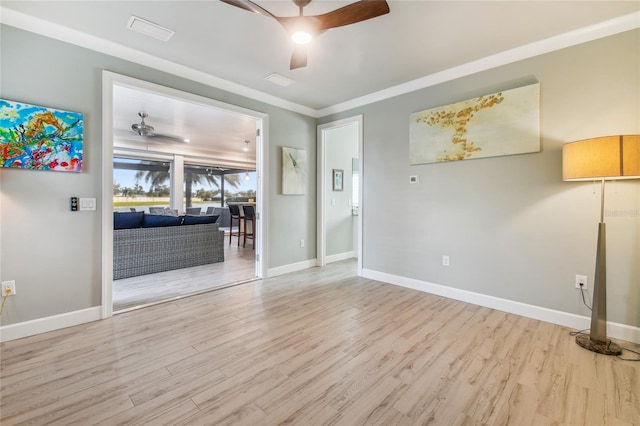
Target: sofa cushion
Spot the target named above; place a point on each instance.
(163, 210)
(193, 220)
(153, 220)
(127, 220)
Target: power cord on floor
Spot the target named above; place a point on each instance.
(7, 292)
(585, 332)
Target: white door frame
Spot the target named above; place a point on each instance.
(109, 79)
(322, 187)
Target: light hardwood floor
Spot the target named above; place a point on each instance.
(238, 266)
(316, 347)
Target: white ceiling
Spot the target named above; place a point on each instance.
(415, 40)
(213, 133)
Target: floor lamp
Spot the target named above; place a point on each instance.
(603, 158)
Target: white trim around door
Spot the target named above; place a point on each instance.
(322, 187)
(109, 79)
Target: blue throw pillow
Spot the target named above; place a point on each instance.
(127, 220)
(194, 220)
(153, 220)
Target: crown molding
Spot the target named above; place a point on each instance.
(48, 29)
(572, 38)
(593, 32)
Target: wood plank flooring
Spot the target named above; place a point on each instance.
(238, 266)
(318, 347)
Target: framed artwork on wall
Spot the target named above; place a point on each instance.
(40, 138)
(338, 180)
(294, 171)
(498, 124)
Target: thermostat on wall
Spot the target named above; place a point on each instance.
(414, 179)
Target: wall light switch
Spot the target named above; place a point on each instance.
(87, 204)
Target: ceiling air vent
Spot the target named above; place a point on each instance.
(149, 28)
(280, 80)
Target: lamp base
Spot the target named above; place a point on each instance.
(608, 348)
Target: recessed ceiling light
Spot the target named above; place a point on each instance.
(280, 80)
(149, 28)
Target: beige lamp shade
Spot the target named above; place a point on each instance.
(608, 157)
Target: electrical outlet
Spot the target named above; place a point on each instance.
(445, 260)
(581, 281)
(301, 243)
(11, 285)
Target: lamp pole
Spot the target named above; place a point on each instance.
(597, 341)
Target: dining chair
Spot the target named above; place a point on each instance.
(249, 216)
(234, 213)
(194, 211)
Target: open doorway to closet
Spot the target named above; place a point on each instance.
(177, 162)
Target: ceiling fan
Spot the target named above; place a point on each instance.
(147, 131)
(303, 28)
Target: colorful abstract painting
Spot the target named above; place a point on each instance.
(39, 138)
(502, 123)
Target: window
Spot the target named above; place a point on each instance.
(202, 187)
(140, 184)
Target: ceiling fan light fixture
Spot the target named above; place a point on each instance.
(303, 28)
(301, 37)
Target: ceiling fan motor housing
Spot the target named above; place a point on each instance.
(142, 128)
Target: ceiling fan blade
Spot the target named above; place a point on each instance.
(167, 138)
(250, 6)
(353, 13)
(299, 57)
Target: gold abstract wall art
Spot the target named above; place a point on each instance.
(502, 123)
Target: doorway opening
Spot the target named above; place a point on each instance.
(340, 150)
(195, 157)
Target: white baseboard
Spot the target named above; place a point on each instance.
(578, 322)
(69, 319)
(56, 322)
(340, 256)
(293, 267)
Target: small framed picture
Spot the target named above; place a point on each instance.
(338, 181)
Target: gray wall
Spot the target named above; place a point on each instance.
(341, 147)
(54, 255)
(512, 228)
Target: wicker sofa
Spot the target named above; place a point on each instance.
(156, 246)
